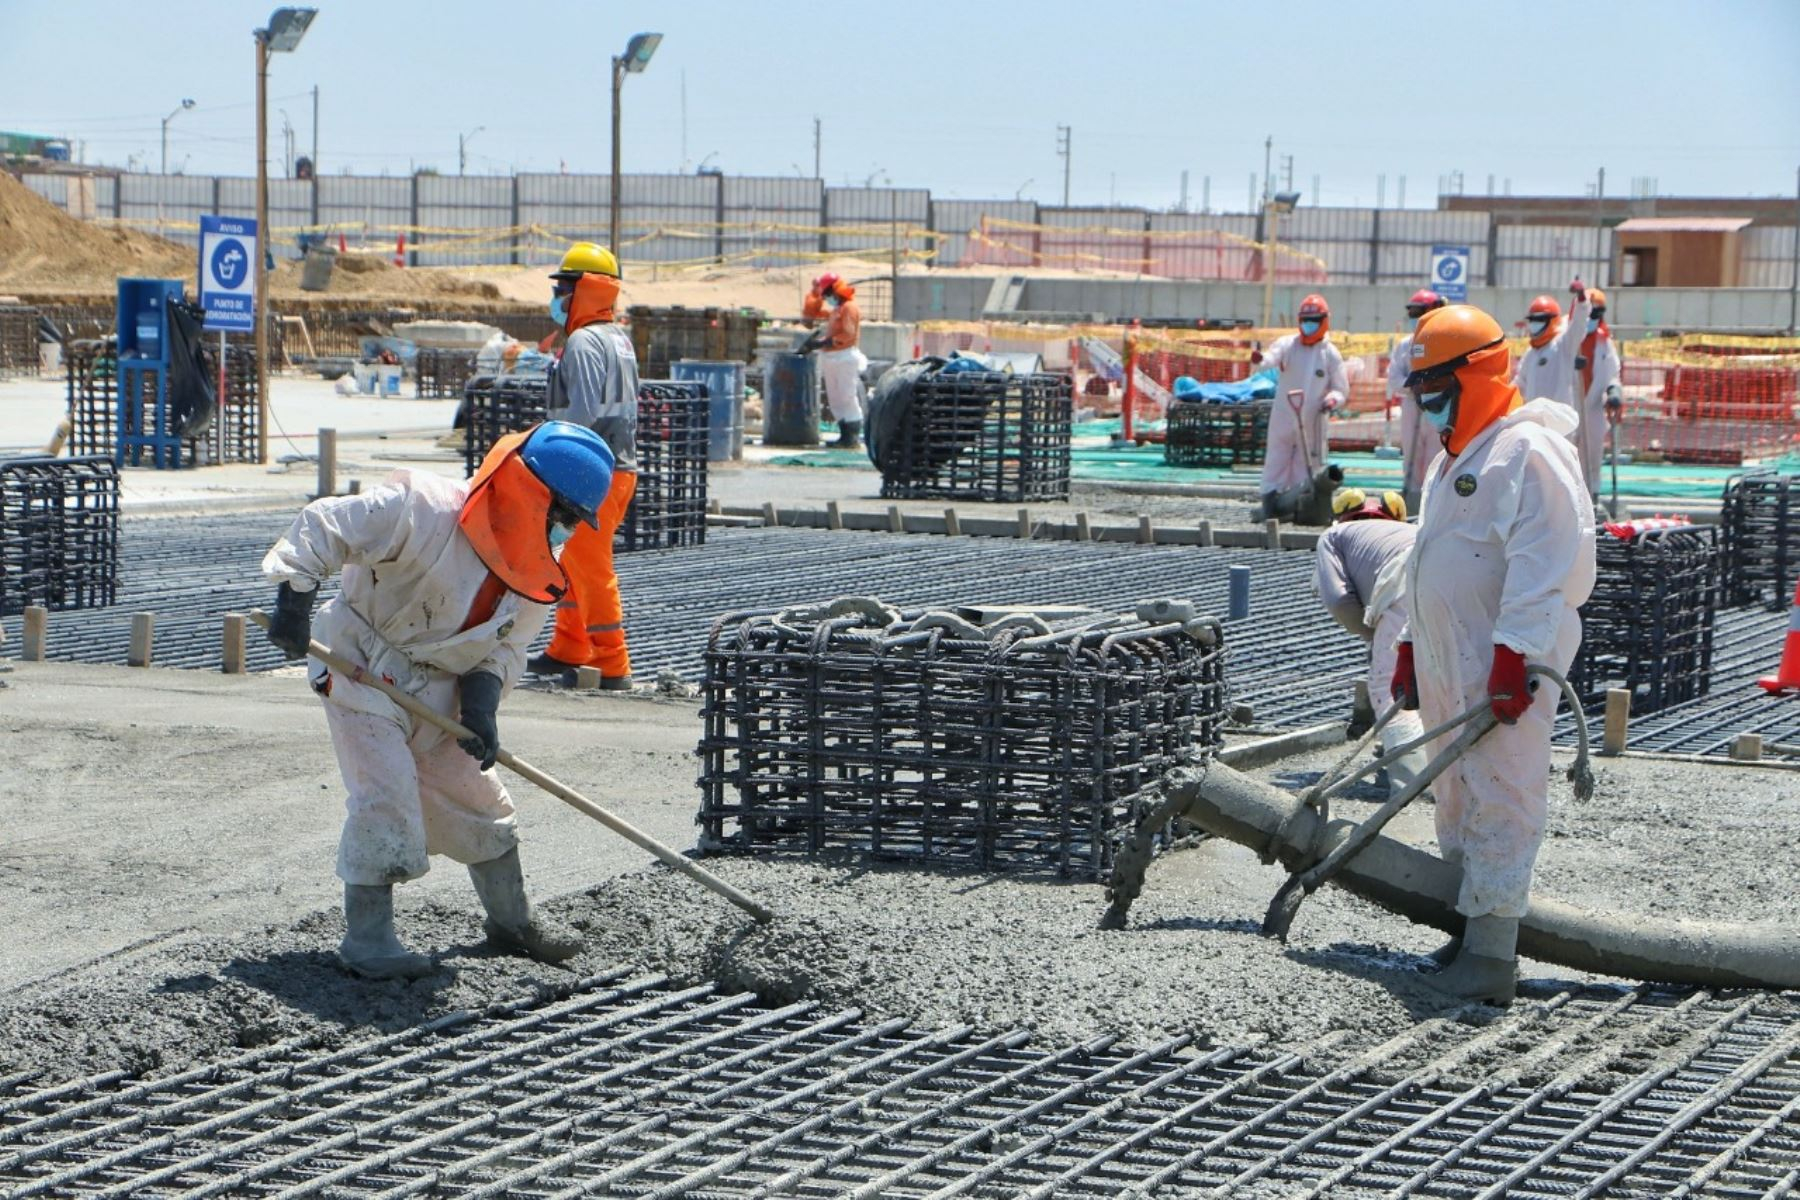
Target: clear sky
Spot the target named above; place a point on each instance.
(963, 98)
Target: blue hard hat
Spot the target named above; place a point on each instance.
(574, 462)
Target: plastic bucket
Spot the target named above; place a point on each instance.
(791, 401)
(724, 382)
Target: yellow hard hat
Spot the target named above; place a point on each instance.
(587, 258)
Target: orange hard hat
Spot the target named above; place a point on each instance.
(1545, 306)
(1597, 298)
(1314, 306)
(1449, 339)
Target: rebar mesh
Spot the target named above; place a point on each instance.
(983, 435)
(661, 337)
(59, 532)
(442, 374)
(1216, 435)
(1760, 551)
(18, 340)
(1648, 626)
(917, 741)
(92, 394)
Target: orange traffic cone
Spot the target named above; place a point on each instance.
(400, 250)
(1787, 676)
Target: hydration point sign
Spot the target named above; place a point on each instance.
(228, 273)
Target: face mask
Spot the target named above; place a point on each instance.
(559, 309)
(1538, 324)
(558, 535)
(1440, 418)
(1309, 327)
(1593, 324)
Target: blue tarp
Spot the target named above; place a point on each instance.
(1260, 386)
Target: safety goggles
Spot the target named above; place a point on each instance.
(562, 287)
(1436, 379)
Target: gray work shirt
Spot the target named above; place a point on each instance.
(596, 384)
(1350, 557)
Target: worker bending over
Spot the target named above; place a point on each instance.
(595, 384)
(1503, 559)
(1306, 362)
(841, 363)
(445, 584)
(1418, 440)
(1547, 369)
(1359, 571)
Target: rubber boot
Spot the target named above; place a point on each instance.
(849, 435)
(511, 925)
(370, 947)
(1487, 967)
(544, 664)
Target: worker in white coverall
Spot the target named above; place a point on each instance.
(1418, 440)
(1306, 362)
(1359, 571)
(1597, 370)
(1547, 368)
(841, 363)
(444, 585)
(1503, 559)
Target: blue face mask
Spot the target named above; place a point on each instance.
(1309, 327)
(1593, 324)
(558, 535)
(1440, 418)
(1538, 324)
(559, 309)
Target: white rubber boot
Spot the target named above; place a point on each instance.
(1487, 968)
(511, 925)
(370, 947)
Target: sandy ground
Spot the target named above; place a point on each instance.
(166, 882)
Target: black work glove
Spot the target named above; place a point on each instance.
(291, 628)
(480, 704)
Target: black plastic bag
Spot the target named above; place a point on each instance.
(193, 394)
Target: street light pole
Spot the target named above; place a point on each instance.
(462, 143)
(262, 246)
(618, 82)
(185, 105)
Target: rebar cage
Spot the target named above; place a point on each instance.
(93, 403)
(1760, 550)
(18, 339)
(59, 532)
(913, 741)
(441, 374)
(1215, 435)
(669, 506)
(662, 337)
(1648, 626)
(984, 435)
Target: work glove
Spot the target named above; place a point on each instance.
(1405, 687)
(1508, 694)
(1578, 289)
(290, 630)
(1333, 401)
(480, 706)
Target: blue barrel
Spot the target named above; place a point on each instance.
(724, 382)
(791, 401)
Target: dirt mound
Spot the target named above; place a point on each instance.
(40, 244)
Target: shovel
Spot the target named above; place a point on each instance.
(568, 795)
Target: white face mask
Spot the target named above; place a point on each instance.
(1538, 324)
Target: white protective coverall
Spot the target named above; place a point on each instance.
(410, 578)
(1419, 442)
(1505, 554)
(1364, 563)
(1591, 437)
(1317, 371)
(1549, 370)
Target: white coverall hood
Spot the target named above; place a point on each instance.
(1505, 554)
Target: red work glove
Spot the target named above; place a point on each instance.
(1405, 687)
(1578, 289)
(1333, 402)
(1507, 692)
(1255, 357)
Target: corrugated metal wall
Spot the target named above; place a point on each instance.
(470, 220)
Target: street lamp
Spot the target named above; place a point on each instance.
(185, 105)
(1273, 208)
(462, 147)
(636, 57)
(286, 27)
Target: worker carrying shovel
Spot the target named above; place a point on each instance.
(444, 585)
(1503, 559)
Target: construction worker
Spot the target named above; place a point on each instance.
(595, 384)
(1359, 572)
(1601, 405)
(813, 307)
(841, 362)
(1418, 441)
(1503, 559)
(467, 572)
(1307, 363)
(1547, 368)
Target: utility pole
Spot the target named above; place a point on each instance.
(618, 81)
(1600, 254)
(315, 153)
(818, 127)
(261, 300)
(1268, 148)
(1064, 135)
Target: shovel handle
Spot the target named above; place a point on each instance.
(568, 795)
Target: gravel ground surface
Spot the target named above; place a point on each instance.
(178, 797)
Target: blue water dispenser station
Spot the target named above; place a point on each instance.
(143, 375)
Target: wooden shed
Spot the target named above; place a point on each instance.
(1677, 251)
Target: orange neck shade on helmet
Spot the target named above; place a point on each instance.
(1487, 394)
(592, 301)
(506, 519)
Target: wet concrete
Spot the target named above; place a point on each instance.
(165, 878)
